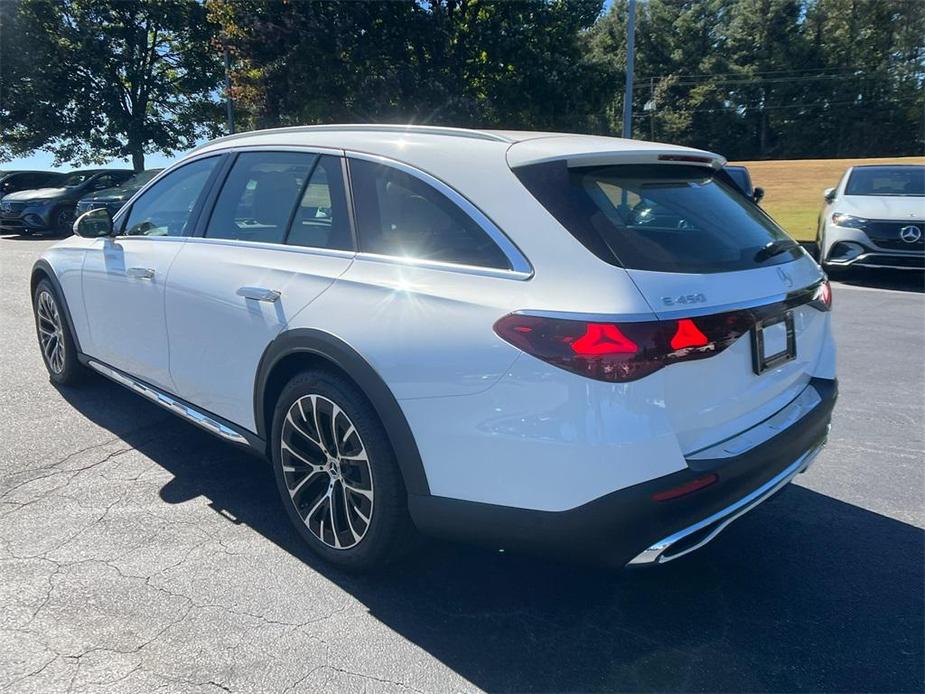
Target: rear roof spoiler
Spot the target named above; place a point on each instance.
(579, 151)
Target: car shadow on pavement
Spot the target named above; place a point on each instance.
(805, 593)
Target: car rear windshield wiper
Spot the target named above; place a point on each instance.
(775, 248)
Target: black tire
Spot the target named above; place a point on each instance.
(344, 478)
(53, 333)
(64, 218)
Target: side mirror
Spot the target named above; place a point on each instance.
(94, 224)
(829, 194)
(758, 195)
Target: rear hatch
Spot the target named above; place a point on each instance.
(709, 262)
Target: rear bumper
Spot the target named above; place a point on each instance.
(629, 527)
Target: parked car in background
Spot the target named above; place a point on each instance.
(580, 344)
(14, 181)
(874, 218)
(743, 179)
(114, 198)
(54, 208)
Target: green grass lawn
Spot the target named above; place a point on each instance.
(793, 188)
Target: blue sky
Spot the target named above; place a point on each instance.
(42, 161)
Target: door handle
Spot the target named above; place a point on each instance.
(141, 273)
(259, 294)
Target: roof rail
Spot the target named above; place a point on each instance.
(369, 127)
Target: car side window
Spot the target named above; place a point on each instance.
(401, 215)
(166, 208)
(259, 196)
(321, 220)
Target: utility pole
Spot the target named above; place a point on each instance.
(630, 56)
(229, 104)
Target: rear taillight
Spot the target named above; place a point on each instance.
(822, 299)
(621, 352)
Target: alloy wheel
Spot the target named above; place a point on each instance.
(51, 332)
(327, 471)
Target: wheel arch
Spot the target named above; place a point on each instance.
(42, 270)
(302, 348)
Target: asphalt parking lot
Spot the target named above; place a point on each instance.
(138, 553)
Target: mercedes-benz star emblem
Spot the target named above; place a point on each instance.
(910, 234)
(784, 277)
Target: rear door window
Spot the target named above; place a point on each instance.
(401, 215)
(661, 217)
(259, 196)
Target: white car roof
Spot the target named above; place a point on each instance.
(521, 147)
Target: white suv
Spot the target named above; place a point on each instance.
(874, 218)
(578, 344)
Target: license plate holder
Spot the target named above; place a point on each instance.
(773, 342)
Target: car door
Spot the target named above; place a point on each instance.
(277, 236)
(124, 276)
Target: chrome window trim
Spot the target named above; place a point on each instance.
(520, 266)
(270, 246)
(446, 267)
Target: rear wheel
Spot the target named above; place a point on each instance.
(337, 474)
(59, 352)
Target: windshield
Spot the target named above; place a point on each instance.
(663, 217)
(76, 178)
(887, 180)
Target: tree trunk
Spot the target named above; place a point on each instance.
(138, 160)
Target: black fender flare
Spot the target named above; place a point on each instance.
(43, 267)
(334, 350)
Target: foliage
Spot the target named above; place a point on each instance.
(93, 80)
(463, 62)
(774, 78)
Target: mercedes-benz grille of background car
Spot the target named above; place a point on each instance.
(910, 234)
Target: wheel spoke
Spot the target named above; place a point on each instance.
(310, 476)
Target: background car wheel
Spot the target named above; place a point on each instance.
(59, 351)
(64, 218)
(336, 473)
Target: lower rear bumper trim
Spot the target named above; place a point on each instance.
(697, 535)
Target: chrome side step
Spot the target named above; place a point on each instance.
(709, 528)
(189, 413)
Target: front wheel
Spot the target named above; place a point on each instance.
(59, 351)
(337, 474)
(64, 218)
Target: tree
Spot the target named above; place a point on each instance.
(459, 62)
(93, 80)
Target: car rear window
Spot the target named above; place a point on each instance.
(660, 217)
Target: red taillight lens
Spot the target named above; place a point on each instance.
(603, 338)
(822, 299)
(688, 335)
(687, 488)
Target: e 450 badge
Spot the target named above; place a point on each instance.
(684, 299)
